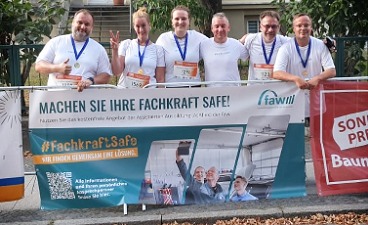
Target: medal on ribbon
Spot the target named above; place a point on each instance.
(78, 54)
(268, 59)
(304, 62)
(182, 54)
(141, 56)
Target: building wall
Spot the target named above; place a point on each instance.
(240, 15)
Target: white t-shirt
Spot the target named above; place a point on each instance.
(175, 69)
(92, 61)
(288, 60)
(258, 67)
(153, 57)
(221, 60)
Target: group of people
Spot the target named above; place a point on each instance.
(202, 187)
(79, 60)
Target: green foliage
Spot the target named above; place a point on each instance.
(24, 23)
(160, 12)
(330, 17)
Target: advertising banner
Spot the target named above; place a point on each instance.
(171, 146)
(11, 148)
(339, 130)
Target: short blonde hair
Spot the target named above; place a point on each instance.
(141, 13)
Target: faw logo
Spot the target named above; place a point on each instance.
(270, 98)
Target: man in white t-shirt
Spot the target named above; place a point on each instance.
(262, 47)
(221, 54)
(75, 59)
(304, 59)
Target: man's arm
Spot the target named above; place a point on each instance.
(282, 75)
(45, 67)
(102, 78)
(329, 73)
(182, 166)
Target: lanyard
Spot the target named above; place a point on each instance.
(77, 55)
(268, 60)
(141, 56)
(183, 54)
(300, 55)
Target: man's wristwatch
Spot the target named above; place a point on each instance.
(92, 80)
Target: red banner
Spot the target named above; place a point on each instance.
(339, 131)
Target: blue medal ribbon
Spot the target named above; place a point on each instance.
(77, 55)
(268, 59)
(141, 56)
(183, 54)
(304, 63)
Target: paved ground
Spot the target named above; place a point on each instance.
(26, 210)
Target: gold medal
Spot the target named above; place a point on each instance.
(76, 65)
(305, 73)
(140, 71)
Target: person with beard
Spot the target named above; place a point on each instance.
(75, 59)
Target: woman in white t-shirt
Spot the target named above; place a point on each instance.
(138, 62)
(181, 48)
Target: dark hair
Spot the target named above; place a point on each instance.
(242, 178)
(270, 13)
(84, 11)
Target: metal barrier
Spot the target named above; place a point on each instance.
(351, 53)
(351, 56)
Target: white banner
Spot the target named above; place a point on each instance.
(11, 149)
(165, 107)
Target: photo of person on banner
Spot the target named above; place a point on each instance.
(202, 186)
(240, 191)
(194, 182)
(213, 191)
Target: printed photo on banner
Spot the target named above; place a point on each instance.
(224, 164)
(259, 159)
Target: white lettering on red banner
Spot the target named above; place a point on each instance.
(338, 161)
(351, 130)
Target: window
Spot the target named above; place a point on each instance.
(253, 26)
